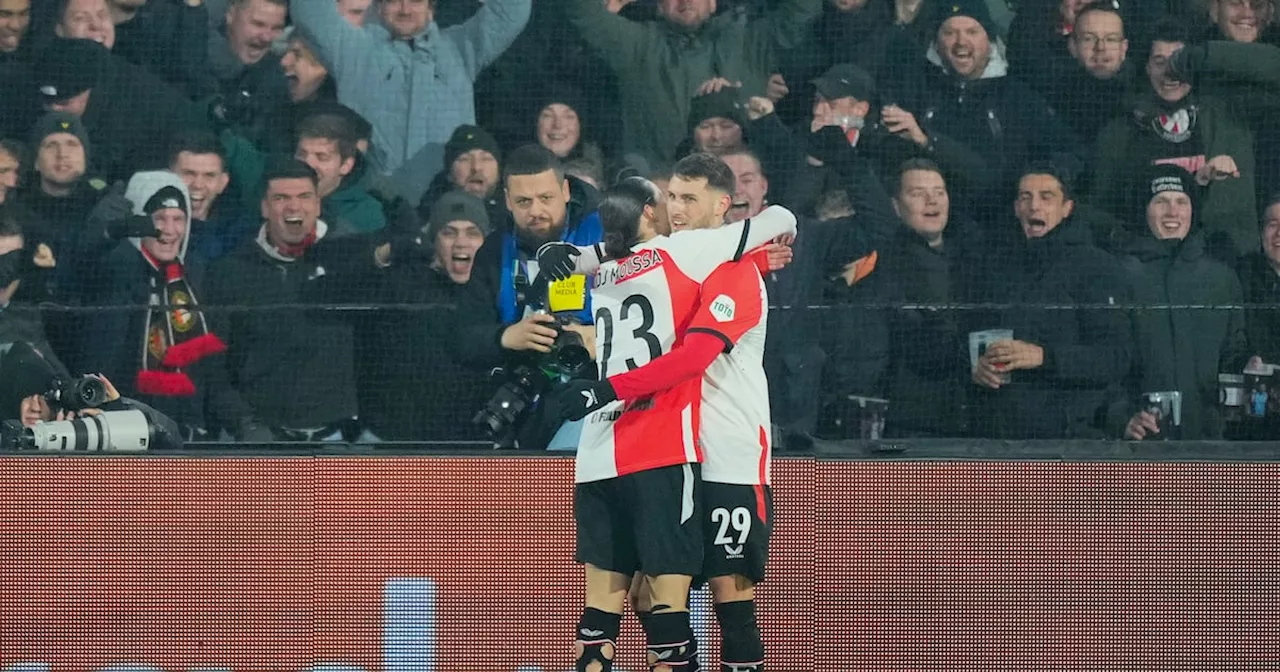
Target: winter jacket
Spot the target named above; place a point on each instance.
(1262, 288)
(660, 66)
(1087, 348)
(130, 118)
(1183, 349)
(289, 362)
(171, 39)
(411, 387)
(414, 92)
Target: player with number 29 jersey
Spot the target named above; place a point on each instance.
(645, 305)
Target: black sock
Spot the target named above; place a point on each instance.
(596, 630)
(671, 639)
(741, 649)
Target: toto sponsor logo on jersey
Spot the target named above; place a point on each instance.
(722, 308)
(632, 266)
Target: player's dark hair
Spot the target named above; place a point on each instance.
(1054, 171)
(532, 159)
(620, 211)
(915, 164)
(708, 167)
(288, 168)
(335, 128)
(196, 142)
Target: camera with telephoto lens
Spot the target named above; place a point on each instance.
(568, 359)
(77, 394)
(128, 431)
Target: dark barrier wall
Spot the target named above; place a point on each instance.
(463, 565)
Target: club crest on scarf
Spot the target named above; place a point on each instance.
(1176, 126)
(176, 335)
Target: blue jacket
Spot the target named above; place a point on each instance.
(413, 92)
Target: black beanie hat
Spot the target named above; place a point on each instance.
(725, 103)
(466, 138)
(974, 9)
(24, 372)
(1168, 177)
(59, 122)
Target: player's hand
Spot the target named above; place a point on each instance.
(556, 260)
(779, 256)
(531, 333)
(1140, 425)
(577, 399)
(1220, 167)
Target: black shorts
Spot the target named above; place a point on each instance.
(650, 521)
(736, 528)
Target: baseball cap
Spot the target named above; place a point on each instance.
(845, 80)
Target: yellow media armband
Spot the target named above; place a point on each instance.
(568, 295)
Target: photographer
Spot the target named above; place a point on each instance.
(36, 390)
(500, 324)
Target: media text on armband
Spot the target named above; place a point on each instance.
(634, 265)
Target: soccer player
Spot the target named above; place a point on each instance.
(637, 477)
(735, 438)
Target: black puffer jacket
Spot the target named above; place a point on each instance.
(1086, 350)
(1184, 348)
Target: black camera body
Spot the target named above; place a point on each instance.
(76, 394)
(568, 359)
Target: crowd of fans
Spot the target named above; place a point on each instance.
(338, 200)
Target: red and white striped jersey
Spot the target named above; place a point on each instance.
(644, 305)
(735, 423)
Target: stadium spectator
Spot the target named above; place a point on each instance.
(401, 348)
(1063, 367)
(1084, 76)
(61, 197)
(1261, 279)
(472, 161)
(661, 64)
(19, 321)
(717, 119)
(162, 357)
(17, 111)
(218, 225)
(933, 258)
(129, 113)
(412, 79)
(290, 372)
(86, 20)
(1180, 349)
(243, 70)
(960, 90)
(11, 153)
(1195, 113)
(306, 76)
(1244, 21)
(498, 322)
(561, 127)
(327, 143)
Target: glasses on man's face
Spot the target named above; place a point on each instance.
(1091, 41)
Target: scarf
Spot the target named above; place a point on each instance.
(587, 232)
(176, 335)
